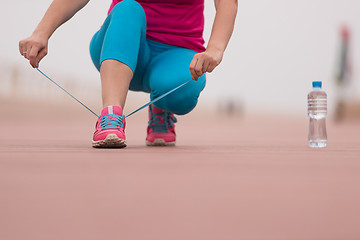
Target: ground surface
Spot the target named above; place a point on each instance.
(227, 178)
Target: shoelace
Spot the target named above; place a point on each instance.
(147, 104)
(111, 121)
(161, 122)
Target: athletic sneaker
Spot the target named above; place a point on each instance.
(110, 128)
(161, 128)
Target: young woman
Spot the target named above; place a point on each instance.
(146, 45)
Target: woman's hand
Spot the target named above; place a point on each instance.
(205, 62)
(220, 35)
(34, 48)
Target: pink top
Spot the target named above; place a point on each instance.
(174, 22)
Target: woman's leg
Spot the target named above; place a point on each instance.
(115, 81)
(115, 50)
(166, 71)
(169, 70)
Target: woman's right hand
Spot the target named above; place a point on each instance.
(34, 48)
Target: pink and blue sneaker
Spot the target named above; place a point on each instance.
(161, 128)
(110, 129)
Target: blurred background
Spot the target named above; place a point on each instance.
(278, 48)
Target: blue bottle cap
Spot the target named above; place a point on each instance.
(316, 84)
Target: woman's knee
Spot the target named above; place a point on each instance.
(129, 7)
(182, 101)
(95, 50)
(180, 104)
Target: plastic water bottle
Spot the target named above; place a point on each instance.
(317, 110)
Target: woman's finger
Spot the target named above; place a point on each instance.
(40, 56)
(192, 67)
(21, 48)
(24, 49)
(211, 68)
(198, 67)
(205, 66)
(32, 55)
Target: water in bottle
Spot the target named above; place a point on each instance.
(317, 110)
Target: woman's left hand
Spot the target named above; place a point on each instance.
(205, 62)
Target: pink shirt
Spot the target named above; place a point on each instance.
(175, 22)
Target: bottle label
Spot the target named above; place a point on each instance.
(318, 104)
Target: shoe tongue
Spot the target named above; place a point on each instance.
(113, 109)
(156, 110)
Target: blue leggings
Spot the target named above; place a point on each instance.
(157, 67)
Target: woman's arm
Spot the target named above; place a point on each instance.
(34, 48)
(220, 35)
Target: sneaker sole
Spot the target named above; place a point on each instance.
(111, 141)
(160, 142)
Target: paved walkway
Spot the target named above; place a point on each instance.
(248, 178)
